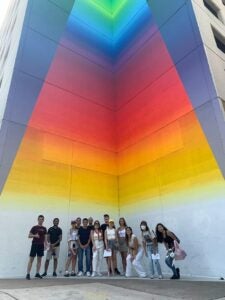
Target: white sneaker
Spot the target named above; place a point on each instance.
(99, 274)
(93, 274)
(160, 277)
(80, 273)
(152, 276)
(88, 274)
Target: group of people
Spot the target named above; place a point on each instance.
(102, 241)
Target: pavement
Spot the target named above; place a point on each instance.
(105, 288)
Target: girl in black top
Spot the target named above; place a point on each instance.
(167, 237)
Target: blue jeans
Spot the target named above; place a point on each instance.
(169, 261)
(150, 250)
(87, 252)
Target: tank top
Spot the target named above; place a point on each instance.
(111, 233)
(148, 237)
(97, 236)
(170, 241)
(122, 233)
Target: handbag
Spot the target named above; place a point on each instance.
(156, 256)
(107, 253)
(179, 253)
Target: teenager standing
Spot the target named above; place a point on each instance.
(111, 243)
(54, 237)
(84, 248)
(38, 234)
(72, 249)
(121, 235)
(98, 248)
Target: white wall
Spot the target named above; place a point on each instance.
(9, 41)
(216, 58)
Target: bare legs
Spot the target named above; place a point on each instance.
(111, 262)
(71, 259)
(124, 261)
(29, 266)
(30, 262)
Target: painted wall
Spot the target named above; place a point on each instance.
(61, 147)
(169, 148)
(111, 113)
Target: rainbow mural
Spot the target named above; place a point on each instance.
(106, 113)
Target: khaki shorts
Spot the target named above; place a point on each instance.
(53, 253)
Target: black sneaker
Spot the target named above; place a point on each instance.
(117, 271)
(28, 277)
(54, 274)
(174, 277)
(73, 274)
(66, 274)
(37, 275)
(178, 273)
(44, 274)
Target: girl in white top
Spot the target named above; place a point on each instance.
(135, 255)
(98, 249)
(121, 235)
(111, 243)
(72, 249)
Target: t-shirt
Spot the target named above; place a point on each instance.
(103, 228)
(42, 231)
(54, 234)
(91, 227)
(148, 237)
(84, 234)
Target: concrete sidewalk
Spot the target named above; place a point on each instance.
(117, 288)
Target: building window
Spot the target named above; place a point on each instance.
(223, 103)
(219, 39)
(223, 106)
(212, 8)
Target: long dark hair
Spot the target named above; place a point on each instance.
(159, 235)
(99, 228)
(144, 223)
(127, 238)
(97, 222)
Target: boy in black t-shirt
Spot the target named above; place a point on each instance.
(54, 238)
(38, 234)
(84, 247)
